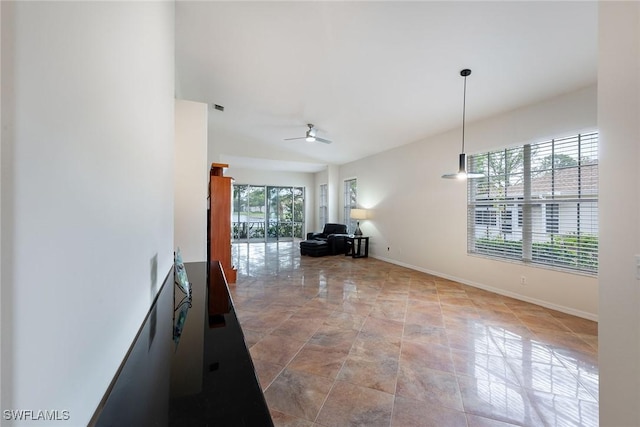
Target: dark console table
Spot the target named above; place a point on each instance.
(213, 378)
(358, 246)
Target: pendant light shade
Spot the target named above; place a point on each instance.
(462, 161)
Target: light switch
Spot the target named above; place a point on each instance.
(638, 267)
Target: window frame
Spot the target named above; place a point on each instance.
(350, 202)
(323, 205)
(274, 223)
(547, 192)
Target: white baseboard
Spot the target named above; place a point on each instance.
(552, 306)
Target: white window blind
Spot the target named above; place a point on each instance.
(324, 211)
(537, 204)
(350, 202)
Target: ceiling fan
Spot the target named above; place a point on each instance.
(311, 136)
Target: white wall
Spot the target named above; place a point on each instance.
(265, 177)
(191, 178)
(1, 281)
(87, 193)
(1, 314)
(618, 119)
(334, 188)
(419, 219)
(320, 178)
(331, 177)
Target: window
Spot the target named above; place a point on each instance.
(506, 218)
(265, 213)
(551, 189)
(551, 216)
(324, 209)
(486, 216)
(350, 202)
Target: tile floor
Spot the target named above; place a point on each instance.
(338, 341)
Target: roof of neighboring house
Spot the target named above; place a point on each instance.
(560, 183)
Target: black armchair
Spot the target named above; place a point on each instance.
(335, 235)
(329, 229)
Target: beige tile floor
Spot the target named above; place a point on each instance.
(338, 341)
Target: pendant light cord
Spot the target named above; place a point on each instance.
(464, 107)
(462, 159)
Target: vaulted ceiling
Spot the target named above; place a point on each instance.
(370, 75)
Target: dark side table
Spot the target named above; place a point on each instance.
(357, 246)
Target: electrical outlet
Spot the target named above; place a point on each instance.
(523, 280)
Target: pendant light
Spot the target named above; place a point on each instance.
(462, 160)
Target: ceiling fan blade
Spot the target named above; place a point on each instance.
(311, 136)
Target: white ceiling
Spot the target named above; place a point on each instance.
(370, 75)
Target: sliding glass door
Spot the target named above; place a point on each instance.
(248, 215)
(267, 213)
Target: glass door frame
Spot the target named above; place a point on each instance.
(279, 221)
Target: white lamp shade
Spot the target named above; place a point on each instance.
(359, 213)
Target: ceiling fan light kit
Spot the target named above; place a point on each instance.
(462, 159)
(311, 136)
